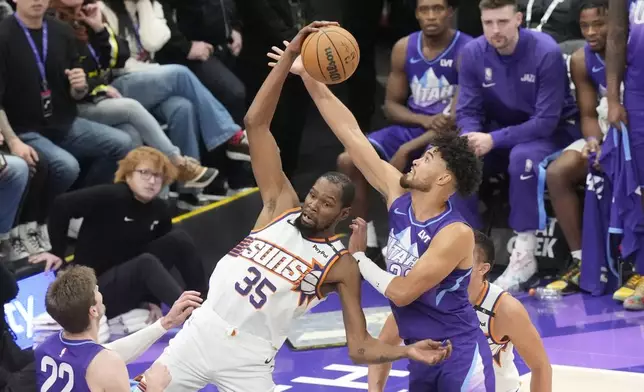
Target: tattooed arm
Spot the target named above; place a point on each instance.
(616, 58)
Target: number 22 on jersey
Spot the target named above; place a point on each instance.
(58, 371)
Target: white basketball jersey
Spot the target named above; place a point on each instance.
(505, 371)
(271, 277)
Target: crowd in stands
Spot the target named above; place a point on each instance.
(81, 92)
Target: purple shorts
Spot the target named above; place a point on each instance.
(388, 140)
(468, 369)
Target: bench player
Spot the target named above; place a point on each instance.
(430, 247)
(283, 268)
(74, 361)
(504, 321)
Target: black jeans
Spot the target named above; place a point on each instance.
(37, 199)
(147, 276)
(223, 84)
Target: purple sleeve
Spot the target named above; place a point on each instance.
(551, 92)
(469, 105)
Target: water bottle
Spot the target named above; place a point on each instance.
(545, 294)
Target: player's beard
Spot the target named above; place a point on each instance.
(406, 182)
(310, 231)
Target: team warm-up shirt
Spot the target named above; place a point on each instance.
(432, 83)
(525, 95)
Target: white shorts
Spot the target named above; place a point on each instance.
(577, 145)
(210, 351)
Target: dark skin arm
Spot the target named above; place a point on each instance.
(363, 348)
(276, 190)
(616, 58)
(586, 96)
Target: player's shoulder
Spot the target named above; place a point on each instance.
(543, 44)
(463, 38)
(509, 308)
(578, 57)
(106, 367)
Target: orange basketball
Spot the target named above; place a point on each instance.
(330, 55)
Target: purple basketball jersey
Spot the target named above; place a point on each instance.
(444, 311)
(432, 83)
(61, 364)
(596, 69)
(634, 78)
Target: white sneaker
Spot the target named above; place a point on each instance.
(522, 266)
(43, 238)
(16, 249)
(29, 235)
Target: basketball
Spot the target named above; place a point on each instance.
(330, 55)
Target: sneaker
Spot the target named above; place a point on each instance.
(43, 238)
(522, 266)
(28, 233)
(636, 300)
(16, 249)
(193, 175)
(569, 282)
(216, 191)
(189, 202)
(237, 148)
(627, 289)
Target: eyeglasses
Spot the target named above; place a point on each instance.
(146, 175)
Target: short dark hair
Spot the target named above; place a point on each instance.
(461, 161)
(70, 296)
(450, 3)
(346, 186)
(496, 4)
(601, 5)
(485, 247)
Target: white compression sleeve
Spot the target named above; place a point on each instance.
(378, 278)
(130, 347)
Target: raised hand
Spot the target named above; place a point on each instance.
(182, 308)
(296, 43)
(297, 68)
(358, 240)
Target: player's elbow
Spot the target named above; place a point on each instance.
(400, 298)
(356, 351)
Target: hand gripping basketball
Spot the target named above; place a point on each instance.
(298, 41)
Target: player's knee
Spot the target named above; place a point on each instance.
(345, 163)
(565, 170)
(149, 262)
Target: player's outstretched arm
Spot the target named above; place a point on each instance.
(276, 190)
(131, 347)
(363, 348)
(513, 321)
(378, 374)
(380, 174)
(452, 248)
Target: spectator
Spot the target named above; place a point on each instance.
(173, 93)
(207, 38)
(419, 98)
(569, 170)
(267, 23)
(127, 235)
(14, 175)
(557, 18)
(496, 69)
(40, 83)
(5, 9)
(102, 50)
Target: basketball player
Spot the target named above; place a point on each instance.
(74, 361)
(284, 267)
(430, 248)
(625, 63)
(516, 108)
(504, 321)
(569, 170)
(421, 87)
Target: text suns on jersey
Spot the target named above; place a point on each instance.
(304, 276)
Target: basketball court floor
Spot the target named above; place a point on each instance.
(594, 344)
